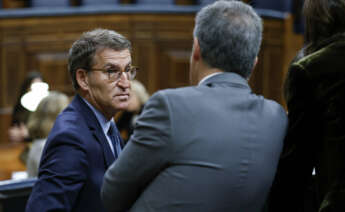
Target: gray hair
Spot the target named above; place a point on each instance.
(229, 34)
(83, 50)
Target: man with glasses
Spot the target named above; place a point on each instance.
(213, 146)
(84, 140)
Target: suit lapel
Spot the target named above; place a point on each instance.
(108, 154)
(95, 129)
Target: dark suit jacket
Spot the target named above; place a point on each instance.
(73, 163)
(212, 147)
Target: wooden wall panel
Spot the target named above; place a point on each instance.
(153, 36)
(175, 65)
(146, 59)
(14, 62)
(53, 67)
(279, 46)
(161, 48)
(5, 120)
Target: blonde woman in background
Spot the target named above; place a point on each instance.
(40, 123)
(126, 121)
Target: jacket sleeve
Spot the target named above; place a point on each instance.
(295, 167)
(62, 172)
(143, 157)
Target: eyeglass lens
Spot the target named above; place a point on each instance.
(115, 73)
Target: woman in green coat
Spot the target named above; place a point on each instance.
(315, 97)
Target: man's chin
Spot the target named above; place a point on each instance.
(122, 106)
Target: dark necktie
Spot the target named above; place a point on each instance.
(115, 139)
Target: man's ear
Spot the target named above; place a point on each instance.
(196, 54)
(82, 79)
(254, 65)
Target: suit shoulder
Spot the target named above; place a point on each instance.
(69, 125)
(70, 117)
(274, 108)
(178, 92)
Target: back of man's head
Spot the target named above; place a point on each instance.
(229, 35)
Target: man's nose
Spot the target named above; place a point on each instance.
(124, 81)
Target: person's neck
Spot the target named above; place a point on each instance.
(206, 72)
(94, 104)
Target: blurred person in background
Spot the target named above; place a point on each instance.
(137, 99)
(18, 131)
(315, 97)
(39, 125)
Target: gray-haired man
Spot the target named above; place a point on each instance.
(210, 147)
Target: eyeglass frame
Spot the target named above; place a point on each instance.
(127, 72)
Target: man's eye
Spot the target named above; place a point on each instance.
(127, 70)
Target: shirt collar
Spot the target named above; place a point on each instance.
(208, 76)
(105, 124)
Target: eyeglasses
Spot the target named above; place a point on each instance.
(114, 73)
